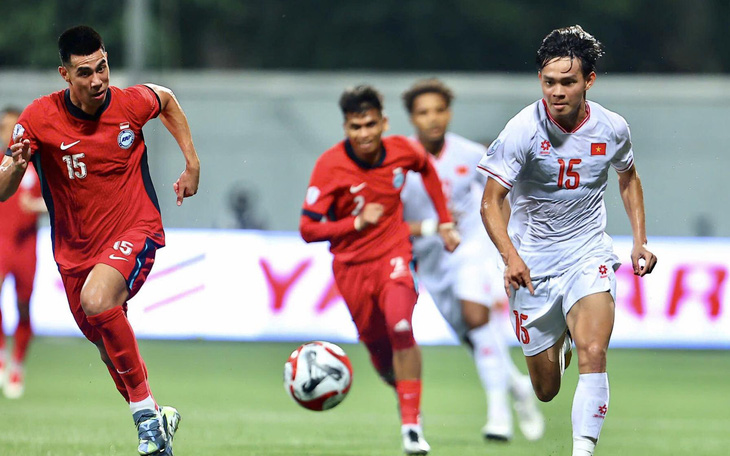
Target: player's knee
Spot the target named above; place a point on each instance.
(93, 301)
(592, 357)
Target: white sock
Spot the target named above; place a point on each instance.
(145, 404)
(590, 405)
(490, 354)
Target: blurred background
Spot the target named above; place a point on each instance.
(259, 82)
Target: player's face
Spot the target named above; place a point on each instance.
(431, 117)
(88, 79)
(564, 87)
(7, 122)
(364, 130)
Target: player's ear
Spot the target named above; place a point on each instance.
(590, 80)
(386, 124)
(64, 74)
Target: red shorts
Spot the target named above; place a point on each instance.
(133, 255)
(20, 261)
(362, 285)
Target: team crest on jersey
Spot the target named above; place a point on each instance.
(398, 177)
(493, 148)
(18, 132)
(125, 139)
(312, 195)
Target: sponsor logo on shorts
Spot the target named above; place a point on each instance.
(402, 326)
(114, 257)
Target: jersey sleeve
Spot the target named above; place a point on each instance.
(623, 159)
(143, 104)
(505, 157)
(317, 220)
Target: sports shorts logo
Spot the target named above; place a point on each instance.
(68, 146)
(114, 257)
(125, 139)
(357, 188)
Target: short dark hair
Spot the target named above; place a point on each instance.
(79, 40)
(357, 100)
(432, 85)
(10, 109)
(573, 42)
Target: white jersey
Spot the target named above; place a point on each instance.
(557, 180)
(463, 186)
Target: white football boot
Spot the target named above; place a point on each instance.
(413, 441)
(529, 417)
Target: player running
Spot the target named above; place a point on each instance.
(87, 147)
(18, 235)
(353, 201)
(553, 160)
(467, 283)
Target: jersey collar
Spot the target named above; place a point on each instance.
(577, 127)
(78, 113)
(364, 165)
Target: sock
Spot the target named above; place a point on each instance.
(590, 405)
(145, 404)
(583, 446)
(118, 382)
(490, 360)
(121, 346)
(23, 335)
(409, 399)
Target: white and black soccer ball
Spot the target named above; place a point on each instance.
(318, 375)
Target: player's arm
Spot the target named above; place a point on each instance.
(446, 228)
(632, 195)
(174, 119)
(313, 229)
(13, 168)
(516, 273)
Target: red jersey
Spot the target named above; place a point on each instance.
(17, 224)
(341, 185)
(93, 171)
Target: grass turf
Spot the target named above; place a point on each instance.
(232, 402)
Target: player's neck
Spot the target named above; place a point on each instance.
(572, 120)
(88, 108)
(370, 158)
(433, 147)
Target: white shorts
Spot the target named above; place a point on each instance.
(539, 320)
(474, 276)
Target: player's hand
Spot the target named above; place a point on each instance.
(187, 184)
(516, 275)
(450, 236)
(639, 253)
(370, 215)
(21, 155)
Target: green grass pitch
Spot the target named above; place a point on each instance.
(233, 403)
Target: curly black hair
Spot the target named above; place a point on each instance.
(432, 85)
(572, 42)
(359, 99)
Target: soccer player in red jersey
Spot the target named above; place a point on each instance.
(353, 201)
(88, 149)
(18, 231)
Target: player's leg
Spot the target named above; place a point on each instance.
(24, 274)
(3, 359)
(591, 322)
(397, 303)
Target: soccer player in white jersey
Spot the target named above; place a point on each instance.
(466, 283)
(553, 160)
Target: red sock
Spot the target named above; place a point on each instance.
(23, 335)
(409, 397)
(121, 346)
(118, 382)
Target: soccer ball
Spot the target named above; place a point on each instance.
(318, 375)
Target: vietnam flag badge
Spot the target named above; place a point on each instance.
(598, 149)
